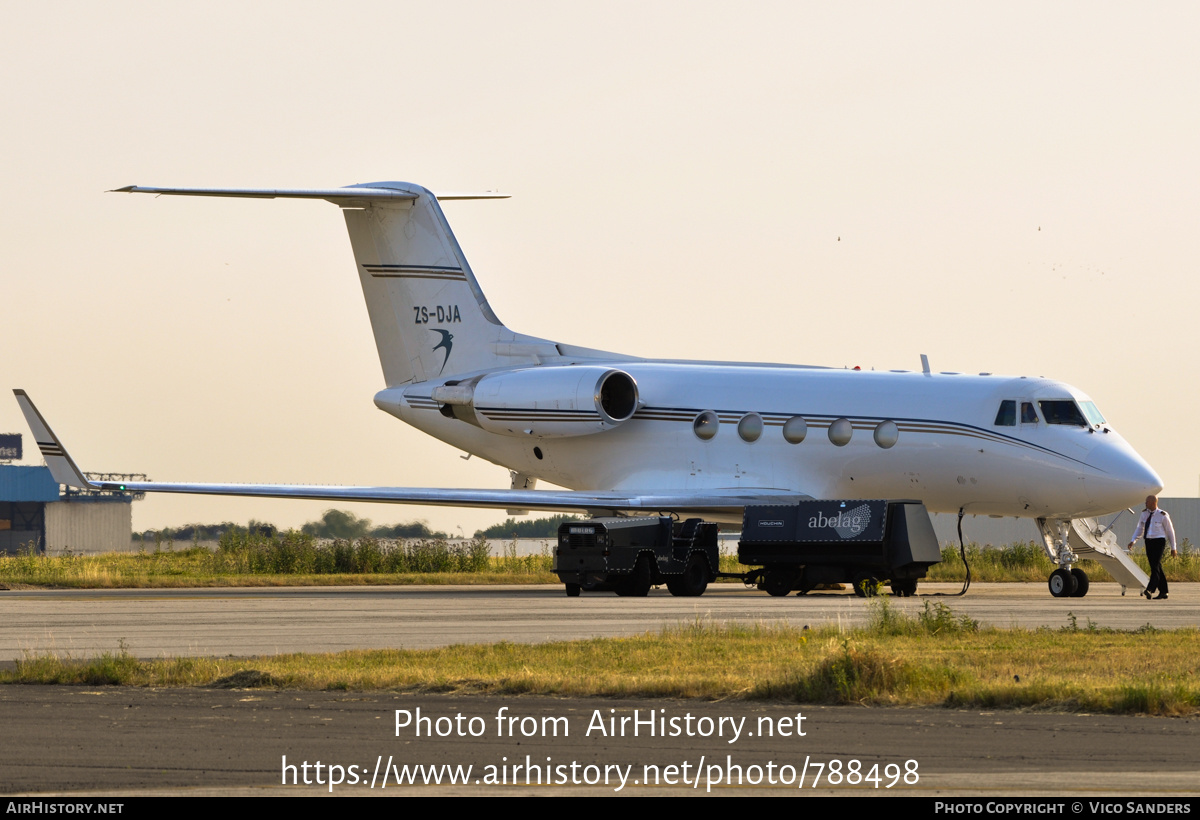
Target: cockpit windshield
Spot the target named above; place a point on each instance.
(1092, 412)
(1006, 416)
(1062, 411)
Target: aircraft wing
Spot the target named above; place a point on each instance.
(711, 502)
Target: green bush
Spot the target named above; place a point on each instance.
(300, 553)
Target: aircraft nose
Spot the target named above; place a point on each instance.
(1121, 477)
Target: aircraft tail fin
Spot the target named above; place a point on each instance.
(428, 313)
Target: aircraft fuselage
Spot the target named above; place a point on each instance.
(938, 439)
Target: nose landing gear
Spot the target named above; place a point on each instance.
(1063, 583)
(1065, 541)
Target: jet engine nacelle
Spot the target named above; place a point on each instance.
(543, 402)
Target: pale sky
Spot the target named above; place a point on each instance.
(1010, 188)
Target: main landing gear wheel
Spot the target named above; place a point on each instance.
(1081, 582)
(693, 581)
(573, 590)
(1063, 583)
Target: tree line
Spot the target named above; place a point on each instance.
(346, 525)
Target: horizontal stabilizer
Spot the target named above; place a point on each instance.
(445, 195)
(374, 192)
(409, 263)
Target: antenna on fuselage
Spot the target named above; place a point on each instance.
(925, 365)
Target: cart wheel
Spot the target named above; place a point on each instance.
(694, 579)
(777, 583)
(638, 584)
(866, 586)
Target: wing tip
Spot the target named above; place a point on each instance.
(62, 467)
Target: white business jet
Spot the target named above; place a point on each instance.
(629, 435)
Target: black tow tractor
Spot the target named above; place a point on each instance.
(800, 546)
(629, 555)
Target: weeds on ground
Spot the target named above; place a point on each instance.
(1028, 562)
(245, 555)
(512, 563)
(251, 557)
(294, 552)
(933, 656)
(886, 619)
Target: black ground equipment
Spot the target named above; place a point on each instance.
(630, 555)
(865, 543)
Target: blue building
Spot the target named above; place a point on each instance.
(36, 512)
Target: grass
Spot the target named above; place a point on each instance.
(1028, 562)
(297, 559)
(285, 559)
(290, 559)
(935, 657)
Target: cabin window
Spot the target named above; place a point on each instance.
(795, 429)
(706, 425)
(1006, 416)
(1028, 414)
(840, 432)
(1062, 411)
(750, 427)
(887, 433)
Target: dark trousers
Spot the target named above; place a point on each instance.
(1154, 554)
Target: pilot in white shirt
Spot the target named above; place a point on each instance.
(1156, 525)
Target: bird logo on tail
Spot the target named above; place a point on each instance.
(446, 342)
